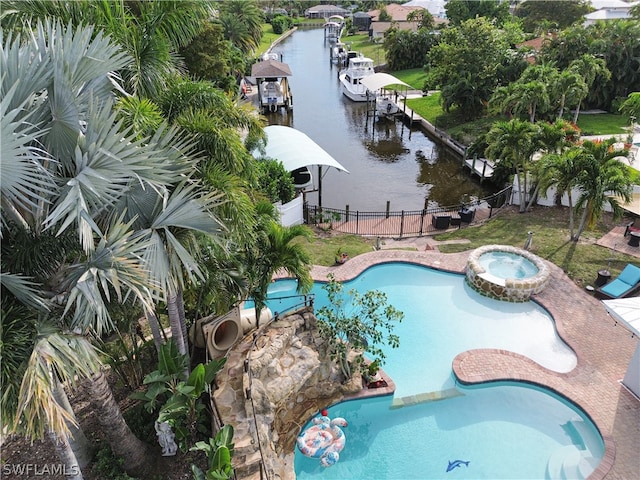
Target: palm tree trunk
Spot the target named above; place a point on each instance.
(136, 454)
(78, 442)
(523, 201)
(183, 318)
(571, 221)
(66, 456)
(176, 326)
(575, 115)
(583, 222)
(561, 112)
(154, 325)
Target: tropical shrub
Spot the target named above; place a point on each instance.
(357, 326)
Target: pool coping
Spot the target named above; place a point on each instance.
(603, 352)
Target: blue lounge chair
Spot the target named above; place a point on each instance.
(624, 285)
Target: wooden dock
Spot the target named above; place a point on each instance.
(480, 166)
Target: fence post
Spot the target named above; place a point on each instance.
(346, 214)
(388, 207)
(401, 223)
(357, 220)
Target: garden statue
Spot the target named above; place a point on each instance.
(166, 439)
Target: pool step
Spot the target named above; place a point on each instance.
(570, 463)
(425, 397)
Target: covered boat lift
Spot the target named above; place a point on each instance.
(297, 152)
(384, 92)
(274, 91)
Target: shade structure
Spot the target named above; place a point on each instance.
(296, 150)
(270, 69)
(381, 80)
(627, 312)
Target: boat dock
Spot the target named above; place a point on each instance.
(482, 167)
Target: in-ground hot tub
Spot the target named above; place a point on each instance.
(506, 273)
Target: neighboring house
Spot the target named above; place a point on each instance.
(325, 11)
(398, 14)
(436, 7)
(378, 29)
(533, 47)
(362, 20)
(608, 10)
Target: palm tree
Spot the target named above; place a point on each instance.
(531, 95)
(605, 180)
(513, 143)
(66, 163)
(563, 171)
(150, 32)
(242, 22)
(588, 68)
(571, 88)
(275, 250)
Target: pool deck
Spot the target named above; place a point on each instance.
(604, 351)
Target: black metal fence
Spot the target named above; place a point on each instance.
(405, 223)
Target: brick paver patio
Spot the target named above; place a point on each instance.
(604, 351)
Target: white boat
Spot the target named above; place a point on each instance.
(339, 54)
(359, 67)
(385, 106)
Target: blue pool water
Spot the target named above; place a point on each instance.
(507, 265)
(508, 431)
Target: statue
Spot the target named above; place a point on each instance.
(166, 439)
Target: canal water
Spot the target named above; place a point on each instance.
(387, 161)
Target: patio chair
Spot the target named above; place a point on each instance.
(624, 285)
(441, 222)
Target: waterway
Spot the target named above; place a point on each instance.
(387, 161)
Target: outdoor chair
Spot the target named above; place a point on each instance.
(631, 228)
(441, 222)
(625, 284)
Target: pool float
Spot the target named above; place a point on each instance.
(324, 440)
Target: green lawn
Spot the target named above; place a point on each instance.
(361, 43)
(580, 261)
(268, 37)
(603, 124)
(414, 77)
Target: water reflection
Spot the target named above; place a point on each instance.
(388, 161)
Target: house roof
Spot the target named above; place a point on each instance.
(398, 12)
(295, 149)
(326, 9)
(270, 68)
(435, 7)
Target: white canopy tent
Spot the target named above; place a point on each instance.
(380, 80)
(296, 150)
(627, 312)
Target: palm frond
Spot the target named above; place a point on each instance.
(55, 357)
(114, 266)
(24, 182)
(24, 289)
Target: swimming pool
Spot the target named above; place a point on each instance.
(510, 431)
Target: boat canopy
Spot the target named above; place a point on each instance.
(377, 81)
(270, 69)
(295, 149)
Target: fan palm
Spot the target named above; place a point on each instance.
(67, 175)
